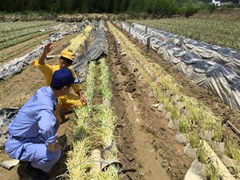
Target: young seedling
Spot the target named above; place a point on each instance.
(203, 154)
(232, 151)
(175, 114)
(184, 125)
(218, 133)
(193, 107)
(194, 139)
(212, 172)
(207, 124)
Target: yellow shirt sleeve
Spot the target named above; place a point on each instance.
(76, 87)
(46, 69)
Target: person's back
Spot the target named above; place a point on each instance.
(41, 104)
(33, 132)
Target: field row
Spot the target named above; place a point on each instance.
(221, 33)
(193, 121)
(195, 124)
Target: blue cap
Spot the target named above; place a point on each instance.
(63, 77)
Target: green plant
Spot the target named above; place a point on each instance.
(212, 8)
(203, 154)
(106, 120)
(237, 171)
(190, 8)
(223, 36)
(78, 154)
(218, 133)
(232, 151)
(184, 125)
(104, 78)
(207, 124)
(194, 139)
(175, 114)
(212, 172)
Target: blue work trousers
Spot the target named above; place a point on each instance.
(32, 150)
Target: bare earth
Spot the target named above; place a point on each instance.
(148, 149)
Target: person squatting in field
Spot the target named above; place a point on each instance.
(70, 101)
(33, 132)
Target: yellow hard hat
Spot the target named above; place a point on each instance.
(67, 54)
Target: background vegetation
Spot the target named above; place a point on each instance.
(142, 8)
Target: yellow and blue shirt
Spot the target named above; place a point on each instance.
(68, 102)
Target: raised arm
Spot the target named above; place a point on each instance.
(46, 50)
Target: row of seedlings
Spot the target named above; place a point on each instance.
(79, 40)
(223, 34)
(14, 66)
(79, 160)
(10, 37)
(184, 113)
(105, 121)
(81, 144)
(91, 156)
(180, 58)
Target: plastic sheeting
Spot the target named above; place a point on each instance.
(6, 116)
(16, 66)
(99, 46)
(211, 67)
(225, 56)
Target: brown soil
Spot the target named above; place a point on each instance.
(147, 147)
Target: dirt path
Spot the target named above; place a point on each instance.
(131, 120)
(147, 147)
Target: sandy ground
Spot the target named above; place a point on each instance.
(147, 148)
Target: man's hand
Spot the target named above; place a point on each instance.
(83, 100)
(46, 50)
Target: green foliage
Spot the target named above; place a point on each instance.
(165, 8)
(134, 6)
(232, 151)
(190, 8)
(211, 8)
(175, 114)
(212, 172)
(184, 125)
(218, 134)
(142, 9)
(203, 8)
(153, 7)
(123, 5)
(194, 139)
(222, 33)
(203, 154)
(207, 124)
